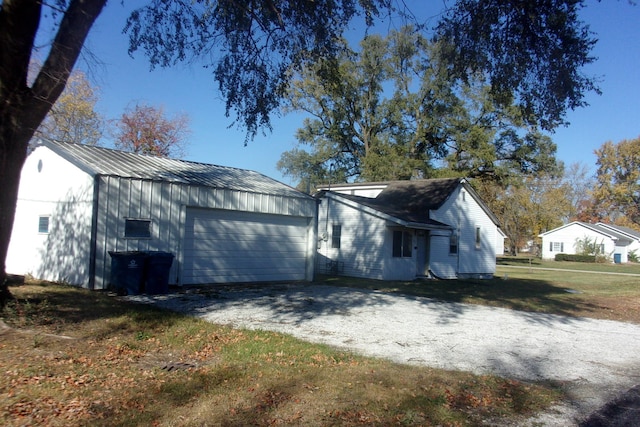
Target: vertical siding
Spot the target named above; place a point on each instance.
(165, 205)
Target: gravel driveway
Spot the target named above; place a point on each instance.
(596, 360)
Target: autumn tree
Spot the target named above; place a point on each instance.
(391, 111)
(528, 205)
(254, 48)
(73, 117)
(617, 191)
(147, 130)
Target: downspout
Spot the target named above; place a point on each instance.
(94, 233)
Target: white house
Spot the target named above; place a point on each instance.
(403, 230)
(614, 241)
(77, 203)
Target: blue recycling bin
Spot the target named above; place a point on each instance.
(127, 271)
(157, 273)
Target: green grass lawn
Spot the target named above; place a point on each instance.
(524, 261)
(569, 292)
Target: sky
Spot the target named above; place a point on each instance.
(124, 81)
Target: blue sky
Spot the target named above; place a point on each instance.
(190, 89)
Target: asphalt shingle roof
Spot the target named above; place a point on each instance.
(410, 201)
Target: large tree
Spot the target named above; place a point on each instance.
(392, 110)
(255, 46)
(617, 191)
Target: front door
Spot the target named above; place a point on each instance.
(422, 254)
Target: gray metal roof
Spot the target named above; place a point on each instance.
(105, 161)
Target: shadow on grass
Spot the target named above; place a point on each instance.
(57, 306)
(533, 296)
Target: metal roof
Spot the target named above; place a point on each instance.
(104, 161)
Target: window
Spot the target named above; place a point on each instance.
(137, 228)
(478, 238)
(556, 247)
(335, 236)
(402, 244)
(453, 243)
(43, 224)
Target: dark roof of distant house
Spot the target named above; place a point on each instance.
(619, 228)
(104, 161)
(411, 201)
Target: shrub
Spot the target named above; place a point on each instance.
(633, 256)
(575, 258)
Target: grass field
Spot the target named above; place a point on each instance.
(75, 357)
(570, 292)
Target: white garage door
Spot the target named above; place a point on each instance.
(223, 246)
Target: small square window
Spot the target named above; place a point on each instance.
(137, 228)
(43, 224)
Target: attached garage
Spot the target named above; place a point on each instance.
(223, 225)
(222, 246)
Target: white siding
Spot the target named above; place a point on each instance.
(51, 186)
(564, 240)
(464, 213)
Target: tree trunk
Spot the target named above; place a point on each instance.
(12, 156)
(23, 108)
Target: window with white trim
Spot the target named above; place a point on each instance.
(453, 243)
(43, 224)
(478, 238)
(336, 236)
(556, 246)
(402, 244)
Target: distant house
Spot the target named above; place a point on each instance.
(614, 241)
(76, 203)
(403, 230)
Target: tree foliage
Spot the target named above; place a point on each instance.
(617, 191)
(533, 51)
(73, 117)
(392, 111)
(252, 46)
(147, 130)
(528, 205)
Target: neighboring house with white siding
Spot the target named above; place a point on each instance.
(614, 241)
(403, 230)
(77, 203)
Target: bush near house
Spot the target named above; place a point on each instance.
(575, 258)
